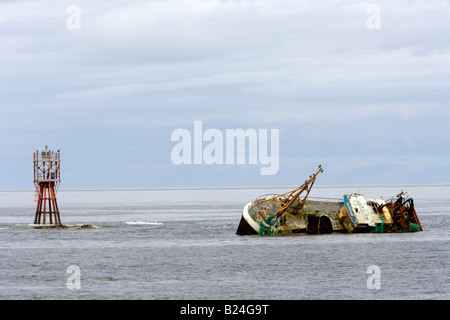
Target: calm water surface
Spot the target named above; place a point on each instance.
(181, 244)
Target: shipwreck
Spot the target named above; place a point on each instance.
(294, 212)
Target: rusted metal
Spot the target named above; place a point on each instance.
(278, 214)
(46, 166)
(289, 213)
(403, 213)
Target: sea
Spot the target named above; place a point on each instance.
(181, 244)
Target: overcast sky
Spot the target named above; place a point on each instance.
(369, 104)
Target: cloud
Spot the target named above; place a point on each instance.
(136, 70)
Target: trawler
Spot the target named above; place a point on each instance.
(360, 214)
(293, 212)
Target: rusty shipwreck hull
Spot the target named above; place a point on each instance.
(359, 214)
(317, 216)
(320, 216)
(404, 214)
(289, 213)
(293, 212)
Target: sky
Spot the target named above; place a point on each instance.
(359, 87)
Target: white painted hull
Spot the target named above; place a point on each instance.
(308, 220)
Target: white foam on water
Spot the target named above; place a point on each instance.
(144, 223)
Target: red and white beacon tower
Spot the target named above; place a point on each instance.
(46, 181)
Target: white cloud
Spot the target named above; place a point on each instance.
(306, 67)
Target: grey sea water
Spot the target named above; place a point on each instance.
(181, 244)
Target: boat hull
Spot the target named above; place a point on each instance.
(247, 226)
(355, 214)
(359, 214)
(316, 217)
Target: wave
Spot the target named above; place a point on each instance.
(144, 223)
